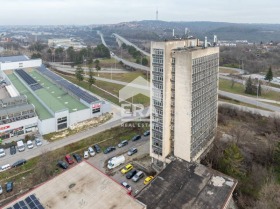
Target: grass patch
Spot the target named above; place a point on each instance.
(226, 70)
(225, 85)
(125, 77)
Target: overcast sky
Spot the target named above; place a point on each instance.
(49, 12)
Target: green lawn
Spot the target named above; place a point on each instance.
(125, 77)
(225, 85)
(226, 70)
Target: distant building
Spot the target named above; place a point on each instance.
(65, 43)
(184, 99)
(188, 186)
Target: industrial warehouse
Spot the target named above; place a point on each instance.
(33, 98)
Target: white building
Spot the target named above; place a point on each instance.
(16, 62)
(184, 99)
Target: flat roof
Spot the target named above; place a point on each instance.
(17, 58)
(82, 186)
(54, 97)
(183, 185)
(41, 111)
(16, 109)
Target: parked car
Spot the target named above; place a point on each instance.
(115, 162)
(96, 148)
(62, 164)
(148, 179)
(5, 167)
(38, 142)
(77, 157)
(86, 155)
(13, 150)
(20, 146)
(139, 175)
(123, 143)
(29, 144)
(132, 151)
(126, 185)
(135, 138)
(130, 174)
(91, 151)
(69, 159)
(127, 168)
(19, 163)
(146, 133)
(109, 149)
(1, 190)
(2, 152)
(9, 186)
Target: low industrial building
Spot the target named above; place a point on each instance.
(83, 186)
(55, 103)
(185, 185)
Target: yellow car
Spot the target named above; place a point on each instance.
(148, 179)
(127, 168)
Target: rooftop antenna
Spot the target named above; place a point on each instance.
(157, 14)
(205, 42)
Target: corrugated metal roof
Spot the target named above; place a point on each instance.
(14, 58)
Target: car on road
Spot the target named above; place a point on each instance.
(77, 157)
(109, 149)
(132, 151)
(29, 144)
(127, 168)
(148, 179)
(86, 155)
(62, 164)
(2, 153)
(146, 133)
(91, 151)
(9, 186)
(135, 138)
(13, 150)
(126, 185)
(1, 190)
(139, 175)
(123, 143)
(96, 148)
(130, 174)
(38, 142)
(69, 159)
(19, 163)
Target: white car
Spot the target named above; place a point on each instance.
(1, 190)
(2, 152)
(91, 151)
(86, 155)
(29, 144)
(126, 185)
(38, 142)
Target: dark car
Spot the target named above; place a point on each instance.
(130, 174)
(123, 143)
(13, 150)
(96, 148)
(69, 159)
(146, 133)
(109, 149)
(9, 186)
(19, 163)
(77, 157)
(135, 138)
(62, 164)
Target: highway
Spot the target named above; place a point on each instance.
(125, 41)
(125, 62)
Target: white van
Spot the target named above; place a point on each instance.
(20, 146)
(116, 161)
(2, 152)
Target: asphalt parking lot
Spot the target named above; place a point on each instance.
(100, 162)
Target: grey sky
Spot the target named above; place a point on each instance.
(45, 12)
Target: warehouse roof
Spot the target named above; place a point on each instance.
(185, 185)
(14, 58)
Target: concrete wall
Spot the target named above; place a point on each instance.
(79, 116)
(47, 126)
(20, 65)
(183, 105)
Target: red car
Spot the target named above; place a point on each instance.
(69, 159)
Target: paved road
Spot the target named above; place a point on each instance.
(125, 62)
(122, 39)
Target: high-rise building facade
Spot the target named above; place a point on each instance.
(184, 99)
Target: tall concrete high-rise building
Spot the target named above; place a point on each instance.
(184, 99)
